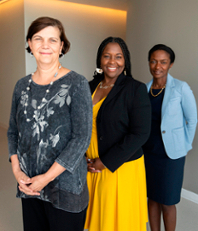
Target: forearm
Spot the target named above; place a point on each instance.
(40, 181)
(54, 171)
(15, 164)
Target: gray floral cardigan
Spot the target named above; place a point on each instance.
(54, 126)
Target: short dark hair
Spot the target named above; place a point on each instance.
(124, 48)
(164, 48)
(43, 22)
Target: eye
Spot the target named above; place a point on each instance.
(53, 40)
(152, 61)
(37, 38)
(164, 62)
(119, 57)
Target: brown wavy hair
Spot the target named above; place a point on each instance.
(43, 22)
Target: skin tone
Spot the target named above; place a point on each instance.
(112, 64)
(46, 47)
(168, 212)
(160, 64)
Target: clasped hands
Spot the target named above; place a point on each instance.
(30, 186)
(95, 165)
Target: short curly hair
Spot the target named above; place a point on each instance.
(43, 22)
(164, 48)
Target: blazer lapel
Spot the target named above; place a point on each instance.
(168, 92)
(149, 85)
(119, 84)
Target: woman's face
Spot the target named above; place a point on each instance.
(46, 45)
(160, 64)
(112, 60)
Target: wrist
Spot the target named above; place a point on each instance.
(16, 168)
(15, 163)
(48, 177)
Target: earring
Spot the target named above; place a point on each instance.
(99, 70)
(125, 72)
(31, 54)
(62, 55)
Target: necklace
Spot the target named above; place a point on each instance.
(43, 101)
(105, 87)
(158, 92)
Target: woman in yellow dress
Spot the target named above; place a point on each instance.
(121, 125)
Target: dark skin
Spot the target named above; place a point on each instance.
(159, 65)
(168, 212)
(112, 64)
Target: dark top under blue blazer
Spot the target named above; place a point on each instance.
(178, 118)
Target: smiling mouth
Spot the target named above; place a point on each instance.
(112, 68)
(157, 72)
(44, 53)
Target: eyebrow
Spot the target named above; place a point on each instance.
(160, 59)
(34, 36)
(116, 54)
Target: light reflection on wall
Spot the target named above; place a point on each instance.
(2, 1)
(81, 8)
(86, 26)
(95, 8)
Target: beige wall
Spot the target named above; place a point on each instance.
(173, 23)
(12, 53)
(85, 26)
(148, 23)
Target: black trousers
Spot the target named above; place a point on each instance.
(40, 215)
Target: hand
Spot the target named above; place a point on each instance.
(32, 186)
(38, 183)
(24, 183)
(23, 180)
(95, 165)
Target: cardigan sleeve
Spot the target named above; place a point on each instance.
(81, 123)
(138, 131)
(12, 132)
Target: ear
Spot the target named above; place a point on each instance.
(62, 44)
(171, 65)
(30, 44)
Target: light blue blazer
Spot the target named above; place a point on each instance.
(179, 117)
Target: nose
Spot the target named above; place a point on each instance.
(45, 44)
(157, 66)
(112, 60)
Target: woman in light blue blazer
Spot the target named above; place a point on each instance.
(174, 119)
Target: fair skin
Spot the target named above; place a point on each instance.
(46, 47)
(160, 64)
(112, 64)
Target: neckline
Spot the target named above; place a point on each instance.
(45, 85)
(94, 95)
(99, 101)
(156, 89)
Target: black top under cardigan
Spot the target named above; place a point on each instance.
(123, 121)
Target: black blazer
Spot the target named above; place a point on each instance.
(123, 121)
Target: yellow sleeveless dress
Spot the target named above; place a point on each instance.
(117, 201)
